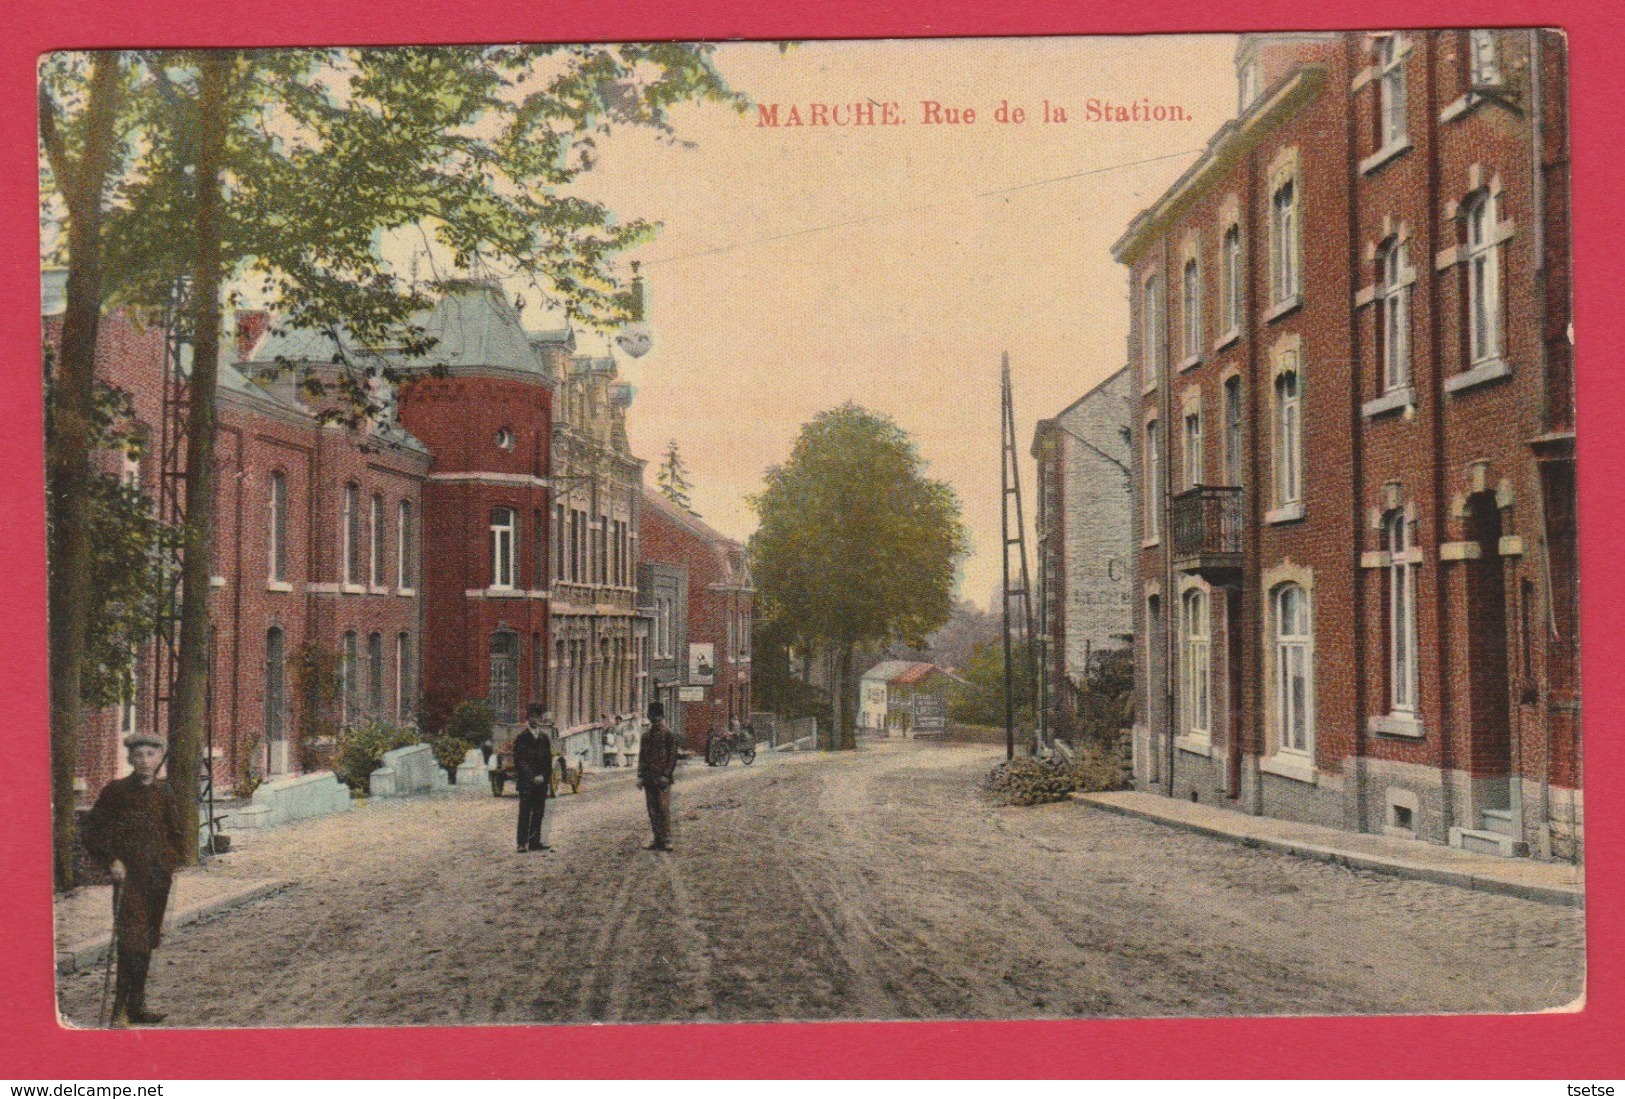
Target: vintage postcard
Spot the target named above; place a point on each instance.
(999, 529)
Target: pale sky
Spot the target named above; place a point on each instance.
(906, 313)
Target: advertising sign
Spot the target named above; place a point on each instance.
(702, 663)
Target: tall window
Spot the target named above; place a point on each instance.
(1395, 306)
(1153, 483)
(1230, 278)
(376, 527)
(1193, 308)
(375, 675)
(277, 529)
(576, 516)
(559, 544)
(403, 677)
(349, 689)
(504, 679)
(744, 634)
(1193, 449)
(1284, 251)
(1288, 438)
(352, 533)
(504, 539)
(1401, 613)
(1249, 88)
(1484, 57)
(1391, 68)
(1293, 701)
(1152, 336)
(538, 553)
(1483, 282)
(276, 684)
(403, 545)
(1197, 664)
(1232, 431)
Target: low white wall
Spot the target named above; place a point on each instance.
(317, 794)
(406, 771)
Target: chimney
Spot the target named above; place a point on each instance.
(251, 325)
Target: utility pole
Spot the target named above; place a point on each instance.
(1010, 476)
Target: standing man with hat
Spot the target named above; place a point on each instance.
(657, 767)
(533, 773)
(135, 827)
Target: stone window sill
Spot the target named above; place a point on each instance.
(1462, 107)
(1293, 765)
(1491, 370)
(278, 585)
(1396, 724)
(1151, 543)
(1227, 339)
(1191, 363)
(406, 591)
(1391, 401)
(1195, 745)
(1284, 307)
(217, 581)
(1286, 513)
(1384, 155)
(353, 589)
(379, 589)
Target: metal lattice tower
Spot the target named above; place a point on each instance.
(1017, 601)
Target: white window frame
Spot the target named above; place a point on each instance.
(1288, 435)
(1402, 654)
(376, 567)
(1234, 416)
(1395, 302)
(276, 566)
(504, 548)
(350, 532)
(1153, 345)
(1153, 483)
(1196, 665)
(1285, 245)
(1230, 277)
(403, 546)
(1191, 290)
(1483, 58)
(375, 674)
(1483, 281)
(1193, 448)
(1294, 654)
(1392, 51)
(276, 674)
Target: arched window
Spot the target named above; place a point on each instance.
(1395, 305)
(1401, 612)
(1288, 438)
(403, 678)
(1284, 249)
(504, 547)
(1192, 305)
(1230, 278)
(404, 536)
(1193, 448)
(350, 530)
(1152, 336)
(1294, 702)
(376, 530)
(277, 529)
(349, 688)
(375, 676)
(1196, 670)
(276, 685)
(504, 678)
(1483, 282)
(1232, 431)
(1153, 482)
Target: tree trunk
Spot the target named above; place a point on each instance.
(188, 706)
(68, 454)
(846, 732)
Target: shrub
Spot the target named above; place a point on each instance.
(1037, 781)
(361, 749)
(449, 752)
(472, 722)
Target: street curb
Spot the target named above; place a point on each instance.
(90, 952)
(1460, 879)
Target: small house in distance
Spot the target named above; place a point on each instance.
(904, 698)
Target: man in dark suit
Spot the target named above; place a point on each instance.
(657, 767)
(135, 828)
(533, 771)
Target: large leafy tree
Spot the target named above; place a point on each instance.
(857, 546)
(278, 172)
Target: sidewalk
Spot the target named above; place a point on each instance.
(84, 919)
(1548, 882)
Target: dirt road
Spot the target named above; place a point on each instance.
(880, 884)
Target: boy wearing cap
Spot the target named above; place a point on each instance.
(135, 827)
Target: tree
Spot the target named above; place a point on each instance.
(285, 166)
(672, 479)
(856, 545)
(980, 699)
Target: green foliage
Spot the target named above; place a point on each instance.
(472, 722)
(980, 699)
(1103, 702)
(316, 686)
(1028, 781)
(361, 749)
(775, 686)
(672, 479)
(856, 544)
(449, 752)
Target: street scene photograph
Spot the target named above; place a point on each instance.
(684, 532)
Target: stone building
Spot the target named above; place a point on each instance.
(714, 663)
(1354, 452)
(1085, 534)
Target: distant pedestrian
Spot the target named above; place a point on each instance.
(493, 766)
(135, 827)
(657, 767)
(631, 735)
(533, 772)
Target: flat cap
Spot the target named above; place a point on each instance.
(151, 740)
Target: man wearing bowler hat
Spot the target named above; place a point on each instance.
(533, 773)
(135, 828)
(657, 766)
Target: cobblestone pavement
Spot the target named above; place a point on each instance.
(881, 884)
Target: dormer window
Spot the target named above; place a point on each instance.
(1249, 87)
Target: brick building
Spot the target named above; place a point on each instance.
(715, 631)
(1354, 452)
(1085, 538)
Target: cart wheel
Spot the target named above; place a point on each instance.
(748, 756)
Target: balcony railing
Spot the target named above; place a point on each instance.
(1206, 523)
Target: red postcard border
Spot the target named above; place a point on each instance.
(1576, 1045)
